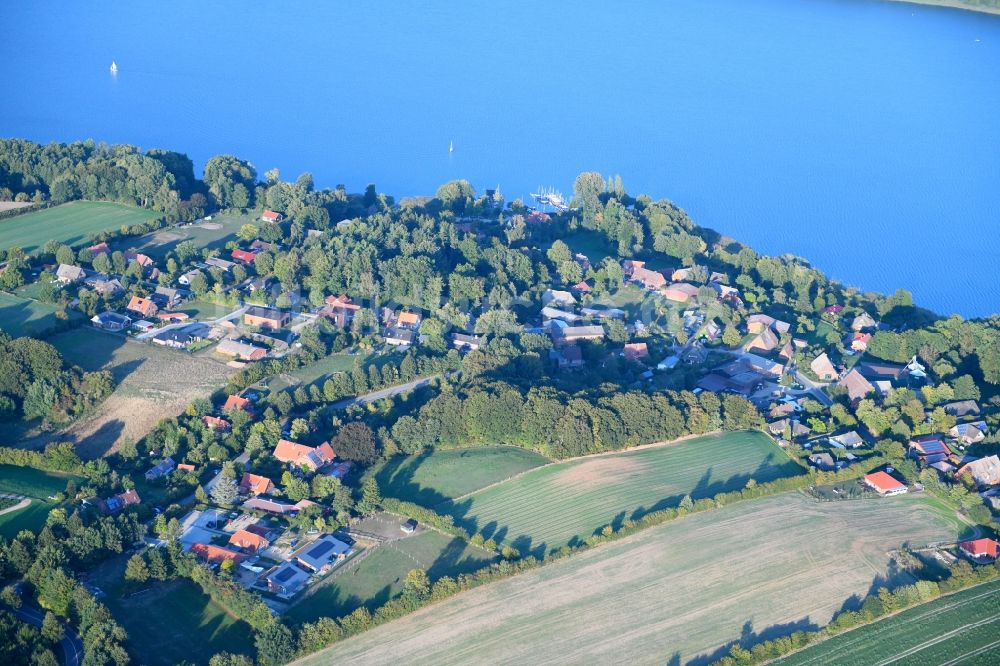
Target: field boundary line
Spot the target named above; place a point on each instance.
(589, 456)
(974, 653)
(937, 639)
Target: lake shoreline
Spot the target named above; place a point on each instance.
(952, 4)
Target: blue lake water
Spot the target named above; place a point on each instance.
(862, 135)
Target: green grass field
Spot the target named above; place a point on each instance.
(679, 593)
(562, 503)
(373, 580)
(960, 628)
(175, 623)
(213, 234)
(37, 485)
(317, 372)
(21, 316)
(71, 223)
(436, 476)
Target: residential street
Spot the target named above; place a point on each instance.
(375, 396)
(72, 646)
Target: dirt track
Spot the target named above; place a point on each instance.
(673, 594)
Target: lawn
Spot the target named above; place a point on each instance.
(960, 628)
(372, 580)
(21, 316)
(436, 476)
(680, 593)
(175, 622)
(73, 224)
(213, 234)
(37, 485)
(317, 372)
(562, 503)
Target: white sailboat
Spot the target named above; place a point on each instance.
(114, 67)
(451, 147)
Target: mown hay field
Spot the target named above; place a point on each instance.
(961, 628)
(436, 476)
(548, 507)
(678, 593)
(72, 223)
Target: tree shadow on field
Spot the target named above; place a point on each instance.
(100, 442)
(395, 478)
(749, 637)
(453, 561)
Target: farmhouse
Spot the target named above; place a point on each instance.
(67, 274)
(241, 350)
(962, 408)
(408, 320)
(286, 579)
(189, 277)
(252, 484)
(873, 370)
(848, 440)
(300, 454)
(637, 273)
(400, 337)
(248, 541)
(985, 471)
(166, 297)
(320, 555)
(863, 322)
(111, 321)
(176, 339)
(928, 450)
(549, 313)
(236, 402)
(243, 256)
(270, 506)
(220, 263)
(106, 287)
(757, 323)
(980, 550)
(465, 341)
(682, 292)
(216, 554)
(969, 433)
(635, 351)
(883, 484)
(766, 341)
(823, 462)
(100, 248)
(571, 334)
(265, 317)
(144, 307)
(823, 367)
(860, 341)
(116, 503)
(562, 299)
(569, 356)
(856, 385)
(163, 468)
(580, 288)
(270, 216)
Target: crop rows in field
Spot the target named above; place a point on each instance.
(962, 628)
(551, 506)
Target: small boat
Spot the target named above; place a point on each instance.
(114, 67)
(451, 146)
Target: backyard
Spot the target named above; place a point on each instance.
(678, 593)
(562, 503)
(374, 579)
(212, 234)
(72, 223)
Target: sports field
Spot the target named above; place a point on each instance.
(376, 578)
(671, 594)
(22, 316)
(551, 506)
(72, 223)
(212, 234)
(436, 476)
(961, 628)
(35, 485)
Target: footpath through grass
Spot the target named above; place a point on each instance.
(38, 486)
(72, 223)
(551, 506)
(378, 577)
(961, 628)
(436, 476)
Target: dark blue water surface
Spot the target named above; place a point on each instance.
(862, 135)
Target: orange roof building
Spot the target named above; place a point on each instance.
(300, 454)
(215, 423)
(255, 485)
(408, 319)
(248, 541)
(216, 554)
(343, 301)
(635, 351)
(981, 550)
(236, 402)
(884, 484)
(142, 306)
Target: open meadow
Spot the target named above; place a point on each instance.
(961, 628)
(71, 223)
(372, 580)
(680, 593)
(22, 316)
(35, 485)
(153, 383)
(212, 234)
(436, 476)
(548, 507)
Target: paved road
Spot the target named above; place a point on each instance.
(375, 396)
(72, 646)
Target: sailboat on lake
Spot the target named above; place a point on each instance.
(114, 67)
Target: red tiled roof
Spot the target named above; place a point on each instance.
(215, 423)
(129, 497)
(882, 482)
(636, 350)
(143, 306)
(270, 215)
(215, 554)
(981, 548)
(248, 540)
(185, 467)
(244, 255)
(236, 402)
(258, 485)
(344, 302)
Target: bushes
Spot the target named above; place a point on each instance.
(424, 515)
(57, 457)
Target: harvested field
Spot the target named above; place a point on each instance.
(72, 223)
(960, 628)
(153, 383)
(548, 507)
(436, 476)
(680, 593)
